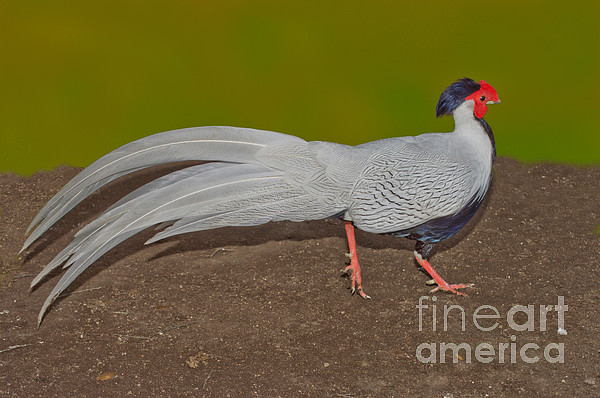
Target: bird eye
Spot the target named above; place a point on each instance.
(482, 98)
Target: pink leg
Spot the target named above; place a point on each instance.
(442, 284)
(356, 278)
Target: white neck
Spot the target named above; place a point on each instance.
(463, 116)
(472, 142)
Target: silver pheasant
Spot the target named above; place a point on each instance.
(424, 187)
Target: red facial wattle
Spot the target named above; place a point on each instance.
(486, 94)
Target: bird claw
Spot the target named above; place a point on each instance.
(452, 288)
(442, 284)
(360, 292)
(356, 280)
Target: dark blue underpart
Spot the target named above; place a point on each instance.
(438, 229)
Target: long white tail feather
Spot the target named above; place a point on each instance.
(220, 195)
(224, 144)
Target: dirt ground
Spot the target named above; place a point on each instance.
(266, 312)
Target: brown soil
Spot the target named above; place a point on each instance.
(265, 311)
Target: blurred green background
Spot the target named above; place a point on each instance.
(79, 79)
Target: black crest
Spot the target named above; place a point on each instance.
(455, 95)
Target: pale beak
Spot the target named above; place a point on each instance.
(493, 102)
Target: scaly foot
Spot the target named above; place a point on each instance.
(354, 267)
(356, 277)
(442, 284)
(452, 288)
